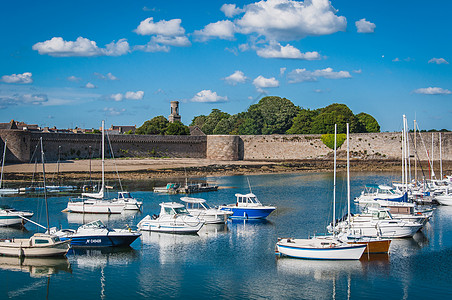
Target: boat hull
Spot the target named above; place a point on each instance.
(248, 212)
(444, 200)
(95, 207)
(94, 241)
(351, 252)
(14, 219)
(374, 247)
(21, 249)
(171, 227)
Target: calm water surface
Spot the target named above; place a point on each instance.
(235, 260)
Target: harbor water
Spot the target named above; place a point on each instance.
(235, 260)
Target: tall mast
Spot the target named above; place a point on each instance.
(415, 151)
(348, 177)
(3, 163)
(440, 159)
(433, 172)
(45, 188)
(334, 182)
(103, 158)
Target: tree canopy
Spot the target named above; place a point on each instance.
(161, 126)
(369, 122)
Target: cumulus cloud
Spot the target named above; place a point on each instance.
(236, 77)
(301, 75)
(111, 111)
(282, 71)
(230, 10)
(262, 82)
(433, 91)
(83, 47)
(275, 50)
(177, 41)
(286, 20)
(23, 78)
(89, 85)
(152, 47)
(208, 96)
(24, 99)
(163, 27)
(222, 29)
(364, 26)
(138, 95)
(438, 61)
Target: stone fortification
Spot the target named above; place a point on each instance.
(368, 146)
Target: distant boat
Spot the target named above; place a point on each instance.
(95, 202)
(248, 207)
(12, 217)
(96, 234)
(198, 207)
(188, 188)
(173, 218)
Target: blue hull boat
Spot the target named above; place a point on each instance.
(101, 241)
(248, 207)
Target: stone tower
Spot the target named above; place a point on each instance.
(174, 116)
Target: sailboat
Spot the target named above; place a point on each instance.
(96, 203)
(329, 247)
(5, 191)
(39, 245)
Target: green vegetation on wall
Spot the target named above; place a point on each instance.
(328, 140)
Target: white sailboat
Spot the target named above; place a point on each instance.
(5, 191)
(329, 247)
(39, 245)
(96, 203)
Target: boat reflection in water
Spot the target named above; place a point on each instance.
(37, 267)
(101, 257)
(126, 216)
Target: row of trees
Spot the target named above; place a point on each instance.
(272, 115)
(276, 115)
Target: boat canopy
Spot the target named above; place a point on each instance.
(192, 200)
(94, 224)
(247, 198)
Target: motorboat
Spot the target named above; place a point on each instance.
(96, 203)
(12, 217)
(173, 218)
(375, 192)
(96, 234)
(198, 207)
(39, 245)
(444, 199)
(247, 206)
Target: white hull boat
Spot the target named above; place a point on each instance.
(11, 217)
(444, 199)
(39, 245)
(198, 208)
(319, 248)
(173, 218)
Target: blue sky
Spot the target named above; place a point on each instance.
(75, 63)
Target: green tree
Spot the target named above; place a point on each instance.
(224, 126)
(177, 128)
(328, 140)
(213, 119)
(277, 113)
(156, 125)
(369, 122)
(302, 123)
(199, 121)
(338, 114)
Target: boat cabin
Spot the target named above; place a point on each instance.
(195, 203)
(124, 195)
(247, 200)
(380, 214)
(39, 239)
(172, 208)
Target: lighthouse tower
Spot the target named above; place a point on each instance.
(174, 116)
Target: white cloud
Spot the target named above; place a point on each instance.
(163, 27)
(222, 29)
(286, 20)
(438, 61)
(433, 91)
(275, 50)
(24, 99)
(152, 47)
(364, 26)
(134, 95)
(177, 41)
(208, 96)
(89, 85)
(357, 71)
(24, 78)
(111, 111)
(235, 78)
(81, 47)
(396, 59)
(301, 75)
(230, 10)
(111, 76)
(117, 97)
(74, 79)
(262, 82)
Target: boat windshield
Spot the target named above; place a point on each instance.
(124, 195)
(181, 210)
